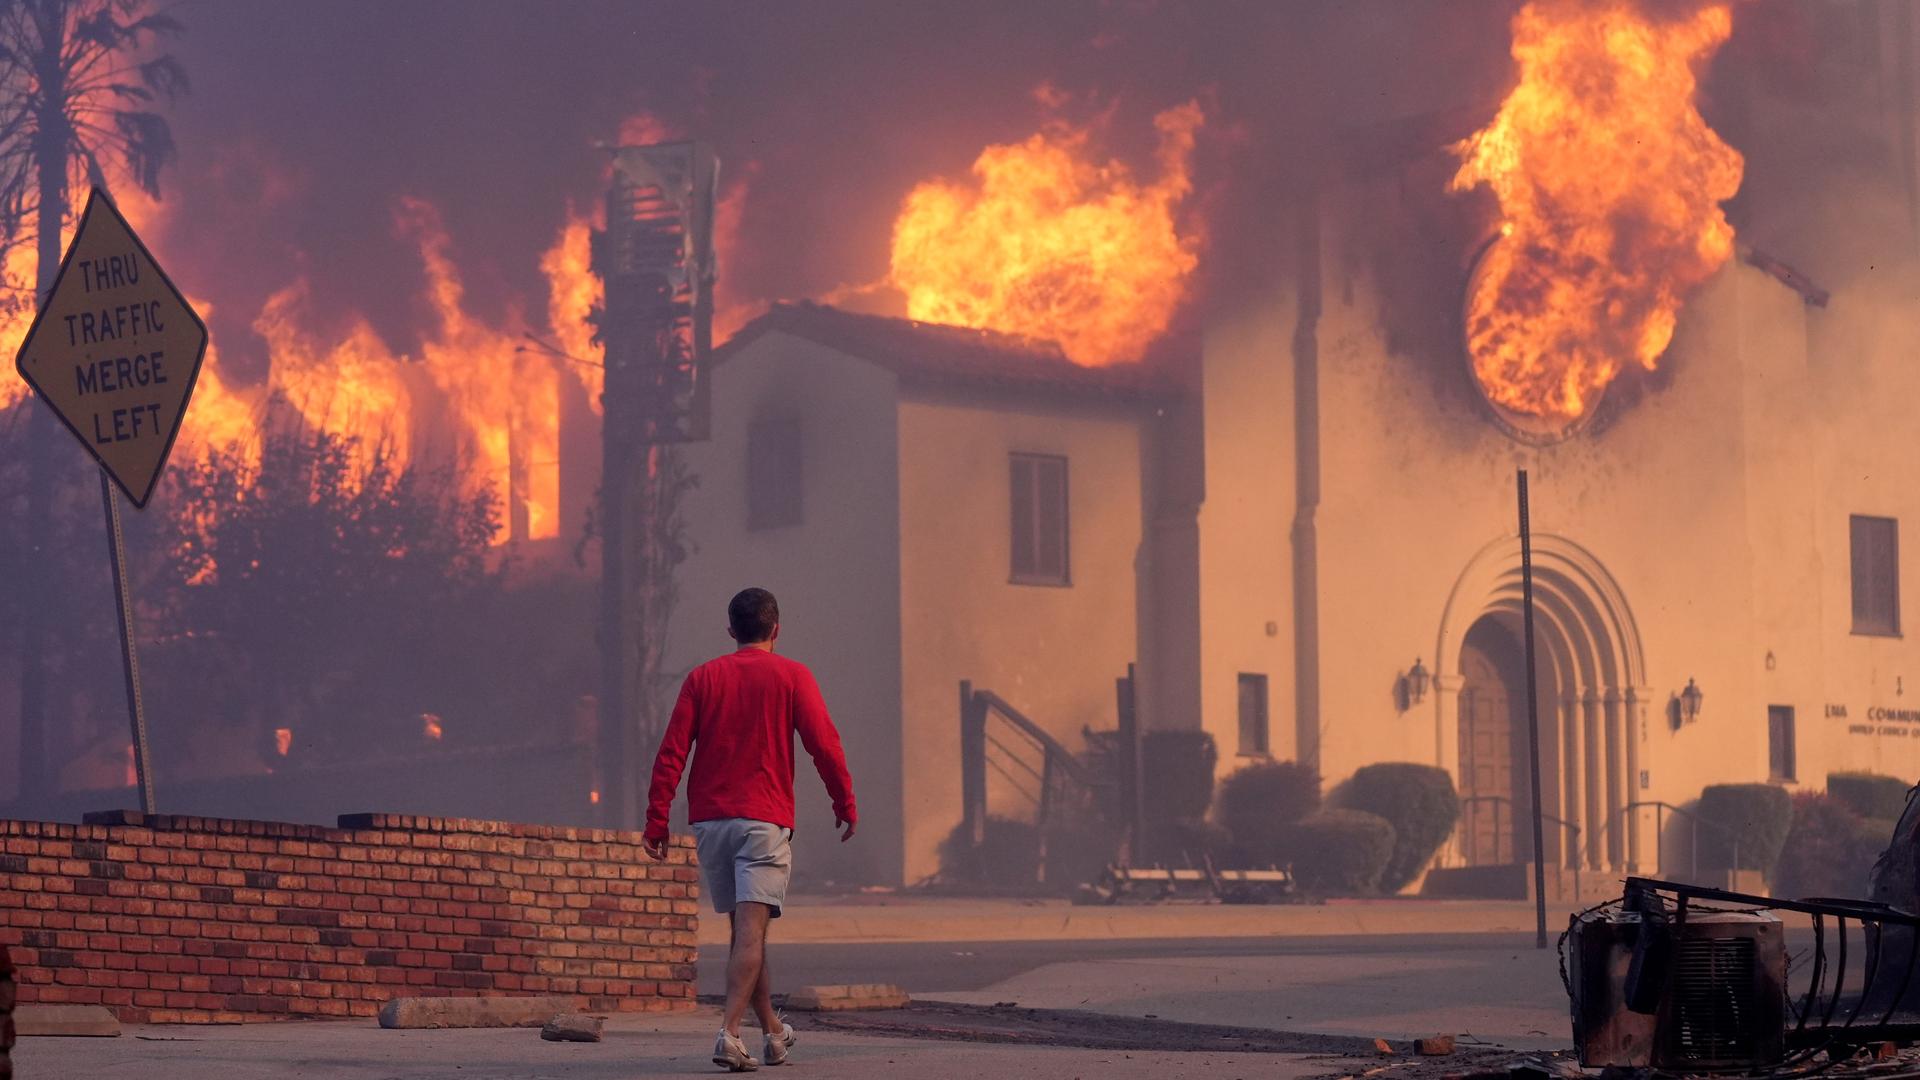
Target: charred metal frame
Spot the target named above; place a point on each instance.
(1812, 1017)
(656, 261)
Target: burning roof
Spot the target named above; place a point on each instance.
(933, 355)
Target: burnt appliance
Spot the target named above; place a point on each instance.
(1686, 990)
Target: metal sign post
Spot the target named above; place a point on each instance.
(1533, 723)
(129, 653)
(115, 351)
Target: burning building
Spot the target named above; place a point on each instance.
(1300, 522)
(1245, 415)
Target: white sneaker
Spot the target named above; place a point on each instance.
(730, 1052)
(778, 1043)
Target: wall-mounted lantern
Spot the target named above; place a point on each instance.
(1418, 680)
(1690, 703)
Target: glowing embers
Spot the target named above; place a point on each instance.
(1609, 184)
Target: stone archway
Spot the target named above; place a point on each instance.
(1594, 696)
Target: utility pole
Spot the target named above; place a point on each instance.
(1533, 721)
(655, 260)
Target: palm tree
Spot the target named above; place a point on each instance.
(78, 87)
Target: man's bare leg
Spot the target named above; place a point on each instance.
(770, 1021)
(746, 964)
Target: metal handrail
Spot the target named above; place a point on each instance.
(1661, 807)
(1053, 747)
(1565, 826)
(1056, 762)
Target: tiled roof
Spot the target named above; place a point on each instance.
(933, 355)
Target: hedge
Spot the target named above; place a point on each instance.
(1830, 849)
(1341, 852)
(1869, 795)
(1260, 803)
(1755, 817)
(1420, 803)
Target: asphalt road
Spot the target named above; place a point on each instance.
(950, 966)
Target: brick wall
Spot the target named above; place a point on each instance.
(181, 919)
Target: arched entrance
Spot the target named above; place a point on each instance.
(1593, 701)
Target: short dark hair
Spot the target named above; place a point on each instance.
(753, 613)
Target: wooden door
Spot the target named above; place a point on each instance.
(1486, 759)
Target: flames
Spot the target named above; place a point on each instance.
(472, 391)
(469, 395)
(1609, 184)
(573, 292)
(1046, 243)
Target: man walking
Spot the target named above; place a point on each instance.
(744, 710)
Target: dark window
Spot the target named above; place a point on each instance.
(1780, 764)
(1039, 520)
(1876, 576)
(1253, 716)
(773, 472)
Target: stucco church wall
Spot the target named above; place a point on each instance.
(836, 574)
(1245, 556)
(1863, 382)
(1656, 495)
(1715, 498)
(1718, 501)
(1051, 652)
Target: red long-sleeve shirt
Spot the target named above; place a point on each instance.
(743, 710)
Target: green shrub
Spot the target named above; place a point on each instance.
(1341, 852)
(1260, 803)
(1744, 821)
(1176, 773)
(1830, 849)
(1869, 795)
(1419, 801)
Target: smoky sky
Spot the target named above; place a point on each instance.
(308, 121)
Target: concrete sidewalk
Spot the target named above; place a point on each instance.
(1499, 997)
(904, 917)
(675, 1045)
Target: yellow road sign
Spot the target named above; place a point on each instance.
(115, 350)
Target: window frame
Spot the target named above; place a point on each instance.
(1264, 715)
(1858, 530)
(1034, 463)
(1790, 744)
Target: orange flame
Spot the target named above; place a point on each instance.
(572, 293)
(1047, 244)
(497, 404)
(472, 393)
(217, 414)
(1609, 183)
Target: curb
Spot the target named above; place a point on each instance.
(847, 997)
(471, 1012)
(79, 1021)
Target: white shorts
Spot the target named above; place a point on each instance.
(744, 860)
